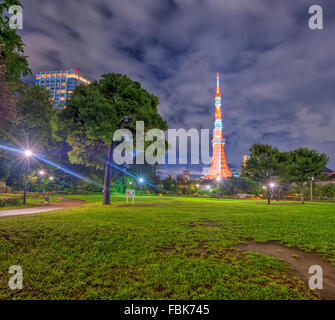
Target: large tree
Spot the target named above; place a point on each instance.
(32, 126)
(304, 164)
(96, 111)
(265, 165)
(13, 64)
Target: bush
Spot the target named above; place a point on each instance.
(9, 201)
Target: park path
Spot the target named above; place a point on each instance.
(300, 260)
(63, 204)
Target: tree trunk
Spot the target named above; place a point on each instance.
(311, 187)
(268, 193)
(107, 181)
(302, 193)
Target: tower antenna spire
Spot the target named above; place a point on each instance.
(218, 82)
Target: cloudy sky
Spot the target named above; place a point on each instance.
(278, 76)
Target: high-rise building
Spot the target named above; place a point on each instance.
(233, 170)
(244, 160)
(219, 167)
(61, 83)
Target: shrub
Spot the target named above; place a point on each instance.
(9, 202)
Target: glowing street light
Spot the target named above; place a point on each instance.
(28, 153)
(51, 178)
(272, 185)
(208, 187)
(41, 173)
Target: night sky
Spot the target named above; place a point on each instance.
(277, 75)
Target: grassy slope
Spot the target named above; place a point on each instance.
(174, 248)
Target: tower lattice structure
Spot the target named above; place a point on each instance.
(219, 167)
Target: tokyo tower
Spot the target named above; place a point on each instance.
(219, 167)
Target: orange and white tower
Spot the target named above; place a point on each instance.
(219, 167)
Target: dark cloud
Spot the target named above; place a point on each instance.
(278, 75)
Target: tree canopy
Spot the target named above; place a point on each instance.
(96, 111)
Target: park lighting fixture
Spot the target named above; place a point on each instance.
(141, 180)
(272, 184)
(218, 179)
(208, 187)
(28, 153)
(51, 178)
(41, 173)
(197, 185)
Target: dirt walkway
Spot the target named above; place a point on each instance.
(301, 263)
(63, 204)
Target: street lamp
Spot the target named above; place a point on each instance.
(51, 178)
(42, 173)
(27, 155)
(272, 185)
(141, 180)
(218, 179)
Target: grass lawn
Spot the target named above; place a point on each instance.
(163, 248)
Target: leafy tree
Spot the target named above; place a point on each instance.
(265, 164)
(32, 126)
(13, 64)
(303, 164)
(11, 45)
(96, 111)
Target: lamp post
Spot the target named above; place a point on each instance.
(27, 155)
(311, 187)
(141, 180)
(41, 173)
(272, 185)
(218, 179)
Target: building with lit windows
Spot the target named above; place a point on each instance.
(61, 84)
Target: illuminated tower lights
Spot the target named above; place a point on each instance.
(219, 167)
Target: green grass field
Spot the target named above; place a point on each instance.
(163, 248)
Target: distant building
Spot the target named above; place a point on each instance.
(233, 171)
(61, 83)
(245, 160)
(186, 175)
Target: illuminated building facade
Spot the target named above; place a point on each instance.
(61, 84)
(219, 167)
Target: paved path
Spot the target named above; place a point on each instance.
(63, 204)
